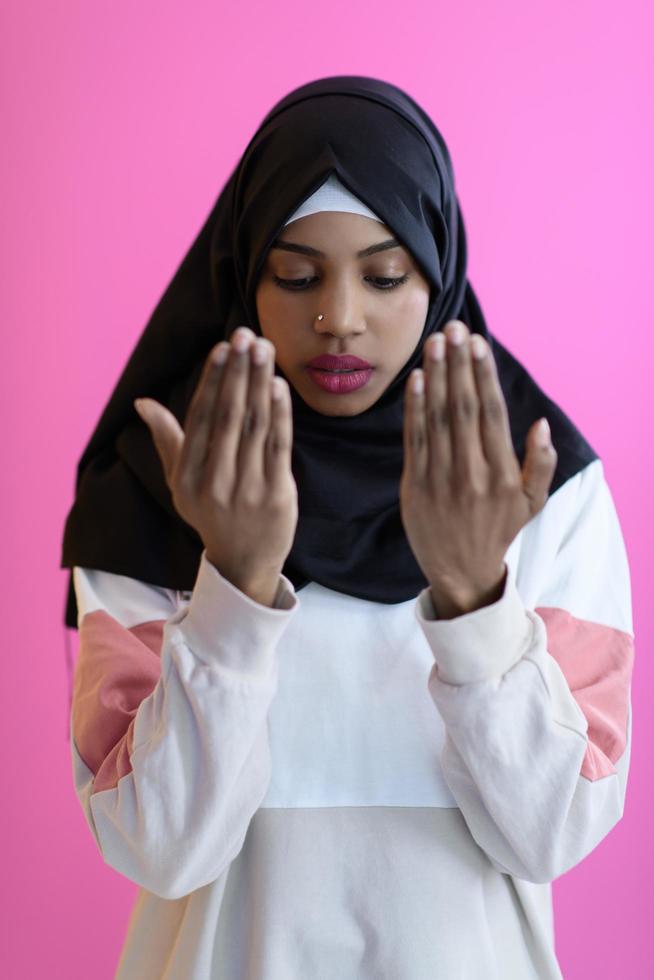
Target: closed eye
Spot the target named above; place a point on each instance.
(380, 282)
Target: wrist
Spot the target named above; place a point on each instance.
(260, 586)
(450, 602)
(263, 592)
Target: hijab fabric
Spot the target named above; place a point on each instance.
(384, 148)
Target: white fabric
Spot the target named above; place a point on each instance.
(332, 196)
(337, 788)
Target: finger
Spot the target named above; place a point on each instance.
(414, 432)
(493, 413)
(250, 463)
(199, 417)
(463, 402)
(436, 409)
(166, 432)
(279, 441)
(538, 469)
(220, 469)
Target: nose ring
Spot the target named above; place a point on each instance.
(321, 316)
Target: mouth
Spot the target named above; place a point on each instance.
(340, 382)
(339, 363)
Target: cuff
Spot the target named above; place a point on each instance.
(481, 644)
(221, 623)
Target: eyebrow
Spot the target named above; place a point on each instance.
(308, 250)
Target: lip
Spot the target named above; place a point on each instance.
(340, 384)
(339, 362)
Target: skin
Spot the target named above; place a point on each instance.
(463, 495)
(362, 315)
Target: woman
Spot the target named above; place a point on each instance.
(355, 657)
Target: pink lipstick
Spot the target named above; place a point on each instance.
(339, 374)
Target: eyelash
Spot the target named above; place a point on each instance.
(291, 284)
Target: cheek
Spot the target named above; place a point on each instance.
(274, 306)
(413, 314)
(417, 303)
(409, 310)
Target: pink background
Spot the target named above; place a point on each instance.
(121, 123)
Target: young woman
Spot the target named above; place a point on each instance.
(355, 652)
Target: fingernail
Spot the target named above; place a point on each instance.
(436, 347)
(543, 433)
(259, 352)
(142, 407)
(478, 346)
(455, 332)
(241, 341)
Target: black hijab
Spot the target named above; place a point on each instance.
(350, 537)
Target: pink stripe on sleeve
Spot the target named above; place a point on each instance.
(116, 669)
(597, 663)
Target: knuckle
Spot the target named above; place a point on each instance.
(276, 500)
(254, 421)
(507, 484)
(493, 409)
(475, 486)
(437, 417)
(278, 443)
(249, 497)
(226, 412)
(213, 493)
(465, 407)
(417, 439)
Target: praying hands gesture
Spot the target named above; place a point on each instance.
(463, 495)
(229, 468)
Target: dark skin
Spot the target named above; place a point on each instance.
(463, 494)
(362, 313)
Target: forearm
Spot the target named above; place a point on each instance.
(535, 699)
(168, 723)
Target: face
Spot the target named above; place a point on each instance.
(375, 302)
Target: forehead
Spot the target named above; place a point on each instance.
(336, 232)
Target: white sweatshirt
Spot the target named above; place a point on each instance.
(339, 789)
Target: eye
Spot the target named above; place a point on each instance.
(380, 282)
(292, 283)
(386, 282)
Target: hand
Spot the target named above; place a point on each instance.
(229, 469)
(463, 495)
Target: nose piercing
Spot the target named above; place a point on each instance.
(321, 316)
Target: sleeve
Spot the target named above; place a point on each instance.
(169, 721)
(536, 702)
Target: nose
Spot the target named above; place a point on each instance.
(343, 313)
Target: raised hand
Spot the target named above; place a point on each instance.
(229, 468)
(463, 495)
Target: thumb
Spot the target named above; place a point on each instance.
(539, 465)
(167, 433)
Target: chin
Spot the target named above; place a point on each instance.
(342, 406)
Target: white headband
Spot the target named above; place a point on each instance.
(332, 196)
